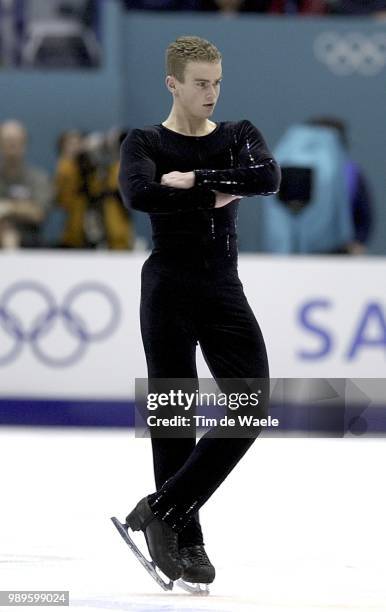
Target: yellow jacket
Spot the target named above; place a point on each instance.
(68, 184)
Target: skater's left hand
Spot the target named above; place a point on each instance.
(180, 180)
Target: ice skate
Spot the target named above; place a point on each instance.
(193, 589)
(150, 566)
(162, 543)
(196, 564)
(198, 571)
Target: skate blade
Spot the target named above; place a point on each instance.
(150, 566)
(193, 588)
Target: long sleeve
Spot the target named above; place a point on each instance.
(257, 173)
(140, 191)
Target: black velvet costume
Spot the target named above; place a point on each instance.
(191, 292)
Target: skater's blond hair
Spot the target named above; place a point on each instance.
(189, 49)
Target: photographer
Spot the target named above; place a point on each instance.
(86, 187)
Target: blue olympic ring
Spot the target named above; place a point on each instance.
(42, 324)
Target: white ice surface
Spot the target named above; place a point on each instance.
(299, 525)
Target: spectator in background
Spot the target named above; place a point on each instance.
(69, 144)
(358, 7)
(313, 7)
(162, 5)
(86, 187)
(68, 188)
(304, 7)
(311, 213)
(25, 191)
(232, 7)
(358, 189)
(324, 205)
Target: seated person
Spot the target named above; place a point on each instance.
(25, 191)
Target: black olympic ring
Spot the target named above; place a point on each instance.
(42, 324)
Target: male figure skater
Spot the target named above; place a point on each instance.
(189, 174)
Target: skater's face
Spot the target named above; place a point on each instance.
(198, 94)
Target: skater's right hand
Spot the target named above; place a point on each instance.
(222, 199)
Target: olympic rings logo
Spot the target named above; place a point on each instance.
(352, 53)
(39, 306)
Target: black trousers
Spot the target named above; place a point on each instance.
(193, 295)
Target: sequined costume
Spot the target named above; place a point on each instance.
(191, 292)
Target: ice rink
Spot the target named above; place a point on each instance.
(299, 524)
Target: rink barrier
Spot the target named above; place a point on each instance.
(303, 420)
(66, 413)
